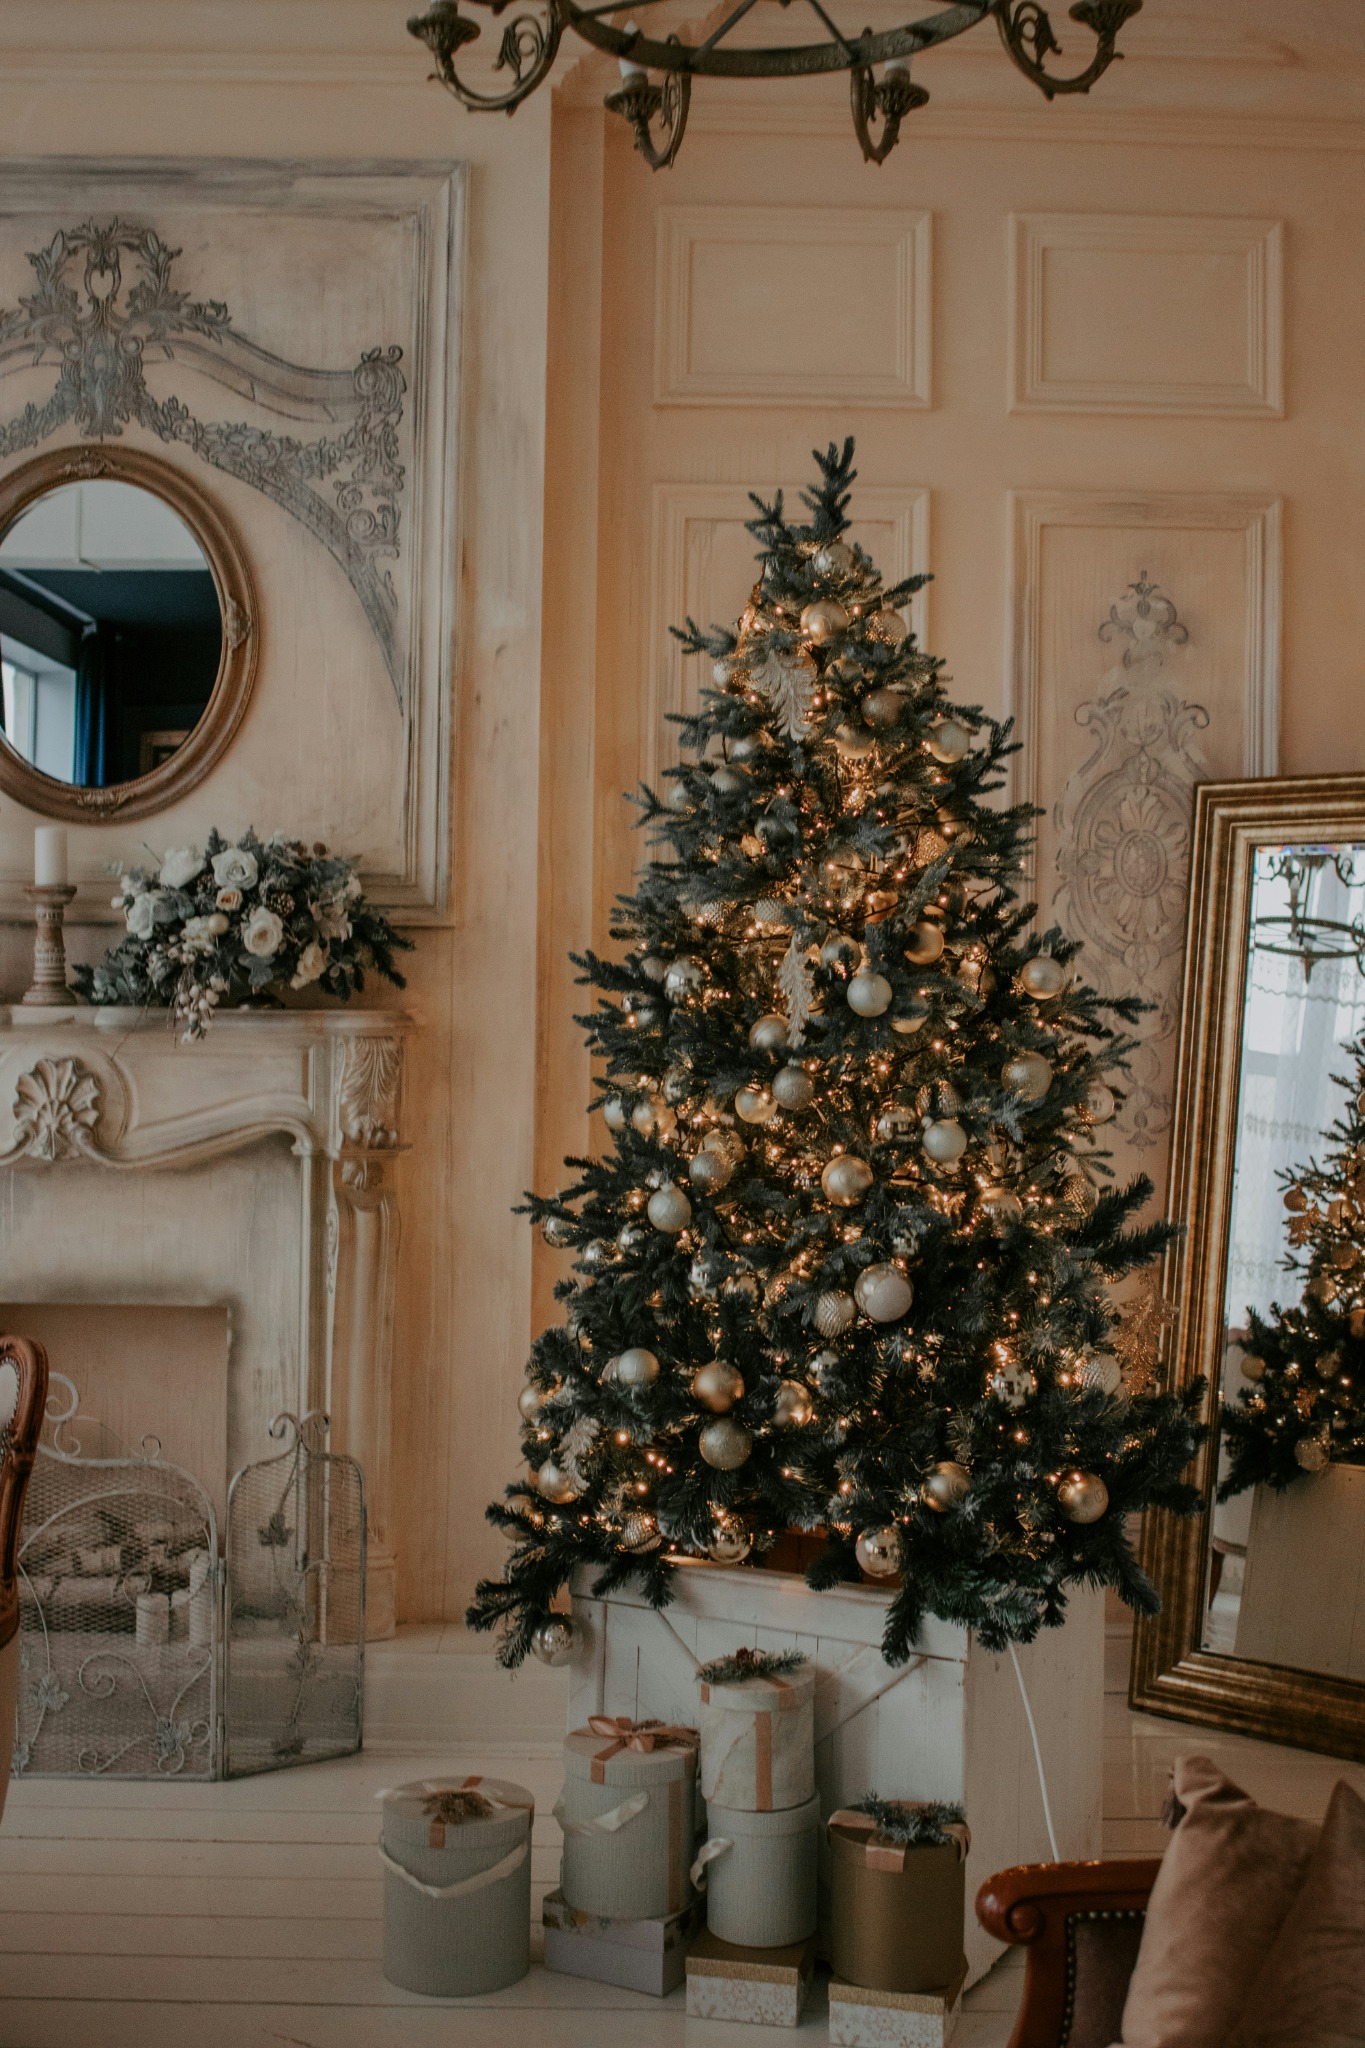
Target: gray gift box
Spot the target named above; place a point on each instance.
(457, 1885)
(641, 1955)
(759, 1872)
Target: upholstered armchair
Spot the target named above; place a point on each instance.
(23, 1399)
(1079, 1925)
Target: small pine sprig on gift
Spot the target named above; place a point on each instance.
(751, 1664)
(909, 1825)
(242, 918)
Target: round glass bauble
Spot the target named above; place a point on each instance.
(724, 1444)
(678, 797)
(1027, 1074)
(924, 943)
(768, 1034)
(1099, 1103)
(846, 1180)
(677, 1085)
(1000, 1206)
(1083, 1497)
(1311, 1454)
(835, 558)
(754, 1105)
(888, 627)
(834, 1311)
(683, 978)
(948, 740)
(1101, 1370)
(851, 743)
(911, 1018)
(556, 1484)
(869, 994)
(944, 1140)
(945, 1485)
(1042, 977)
(639, 1532)
(729, 1542)
(792, 1405)
(729, 780)
(553, 1641)
(839, 951)
(557, 1231)
(742, 1287)
(882, 709)
(615, 1114)
(878, 1552)
(793, 1088)
(636, 1367)
(883, 1293)
(669, 1209)
(824, 620)
(653, 1118)
(710, 1171)
(718, 1386)
(530, 1404)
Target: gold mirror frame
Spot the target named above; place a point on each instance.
(1171, 1674)
(227, 703)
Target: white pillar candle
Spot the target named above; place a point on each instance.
(632, 72)
(49, 857)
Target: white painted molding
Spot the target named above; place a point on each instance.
(1256, 391)
(684, 517)
(112, 1089)
(1257, 519)
(894, 326)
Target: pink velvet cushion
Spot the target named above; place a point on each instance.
(1310, 1990)
(1226, 1883)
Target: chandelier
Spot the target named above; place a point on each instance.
(1304, 934)
(657, 72)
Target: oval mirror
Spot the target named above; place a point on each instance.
(125, 634)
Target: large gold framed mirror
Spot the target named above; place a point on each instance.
(1262, 1628)
(127, 634)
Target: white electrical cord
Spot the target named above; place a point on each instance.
(1037, 1756)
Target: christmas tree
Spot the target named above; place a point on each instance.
(846, 1263)
(1305, 1404)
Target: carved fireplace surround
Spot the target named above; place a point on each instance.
(254, 1169)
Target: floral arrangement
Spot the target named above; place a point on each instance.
(751, 1664)
(239, 920)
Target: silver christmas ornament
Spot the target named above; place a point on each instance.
(878, 1552)
(748, 746)
(869, 994)
(1000, 1205)
(1252, 1368)
(530, 1403)
(669, 1209)
(792, 1405)
(653, 968)
(846, 1180)
(557, 1231)
(614, 1113)
(1099, 1103)
(896, 1127)
(1012, 1384)
(835, 558)
(555, 1483)
(683, 978)
(1028, 1074)
(718, 1386)
(1311, 1454)
(1083, 1497)
(823, 1363)
(652, 1118)
(834, 1311)
(636, 1367)
(882, 709)
(883, 1293)
(1042, 977)
(924, 943)
(769, 1034)
(1102, 1370)
(553, 1641)
(824, 620)
(793, 1088)
(678, 797)
(911, 1019)
(944, 1141)
(724, 1444)
(703, 1279)
(948, 740)
(888, 627)
(851, 744)
(839, 951)
(754, 1105)
(729, 781)
(730, 1542)
(677, 1085)
(945, 1485)
(641, 1013)
(710, 1171)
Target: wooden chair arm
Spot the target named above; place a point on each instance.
(1038, 1907)
(20, 1442)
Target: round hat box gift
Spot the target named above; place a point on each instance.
(758, 1740)
(627, 1813)
(896, 1910)
(457, 1885)
(759, 1874)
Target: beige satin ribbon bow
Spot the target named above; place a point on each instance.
(640, 1736)
(880, 1854)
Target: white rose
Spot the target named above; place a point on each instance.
(312, 962)
(180, 865)
(263, 934)
(229, 899)
(234, 869)
(141, 916)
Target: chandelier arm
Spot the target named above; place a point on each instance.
(640, 101)
(524, 40)
(786, 61)
(892, 97)
(731, 20)
(850, 54)
(1026, 32)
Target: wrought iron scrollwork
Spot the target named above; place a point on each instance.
(888, 99)
(529, 46)
(1027, 34)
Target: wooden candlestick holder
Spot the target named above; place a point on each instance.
(49, 902)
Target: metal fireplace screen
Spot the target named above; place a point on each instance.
(142, 1654)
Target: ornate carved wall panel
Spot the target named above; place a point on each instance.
(1146, 313)
(758, 305)
(704, 568)
(306, 378)
(1144, 660)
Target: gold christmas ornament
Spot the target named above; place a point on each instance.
(1312, 1454)
(724, 1444)
(710, 1171)
(944, 1141)
(883, 1293)
(878, 1552)
(1042, 977)
(1001, 1206)
(792, 1405)
(769, 1034)
(1099, 1103)
(888, 627)
(1028, 1074)
(834, 1311)
(793, 1088)
(718, 1386)
(869, 994)
(639, 1532)
(556, 1484)
(1355, 1322)
(846, 1180)
(557, 1232)
(1083, 1497)
(637, 1367)
(1295, 1200)
(924, 943)
(1252, 1366)
(653, 1118)
(839, 951)
(851, 744)
(948, 740)
(823, 621)
(553, 1641)
(835, 558)
(945, 1485)
(1013, 1384)
(669, 1209)
(729, 781)
(530, 1404)
(754, 1105)
(882, 709)
(911, 1019)
(683, 978)
(1101, 1369)
(730, 1542)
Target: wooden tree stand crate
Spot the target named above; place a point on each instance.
(948, 1725)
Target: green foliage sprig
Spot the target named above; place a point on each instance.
(911, 1826)
(751, 1664)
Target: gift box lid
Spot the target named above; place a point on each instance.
(730, 1821)
(433, 1813)
(614, 1750)
(761, 1692)
(891, 1849)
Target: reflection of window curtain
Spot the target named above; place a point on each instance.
(92, 711)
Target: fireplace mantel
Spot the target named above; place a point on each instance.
(92, 1100)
